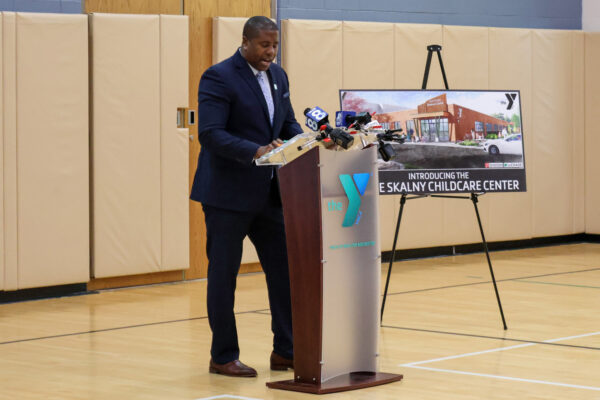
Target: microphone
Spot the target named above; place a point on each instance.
(316, 117)
(341, 118)
(391, 136)
(361, 118)
(385, 149)
(347, 118)
(339, 136)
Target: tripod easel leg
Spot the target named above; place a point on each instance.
(389, 273)
(442, 67)
(430, 49)
(487, 254)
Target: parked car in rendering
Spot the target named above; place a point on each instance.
(512, 144)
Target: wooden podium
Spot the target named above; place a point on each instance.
(330, 205)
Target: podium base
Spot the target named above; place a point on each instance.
(342, 383)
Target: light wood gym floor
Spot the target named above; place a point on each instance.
(441, 329)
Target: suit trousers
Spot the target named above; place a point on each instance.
(226, 230)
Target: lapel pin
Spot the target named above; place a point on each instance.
(275, 86)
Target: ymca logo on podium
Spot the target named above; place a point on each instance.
(355, 187)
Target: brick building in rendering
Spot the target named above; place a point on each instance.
(437, 121)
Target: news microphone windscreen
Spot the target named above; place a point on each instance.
(316, 117)
(341, 118)
(341, 138)
(361, 118)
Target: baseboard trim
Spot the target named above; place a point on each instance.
(77, 289)
(406, 254)
(46, 292)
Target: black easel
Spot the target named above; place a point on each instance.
(473, 197)
(430, 49)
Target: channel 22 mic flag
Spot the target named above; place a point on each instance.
(456, 141)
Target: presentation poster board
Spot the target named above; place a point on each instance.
(456, 141)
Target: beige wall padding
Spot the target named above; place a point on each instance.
(46, 188)
(174, 73)
(510, 68)
(312, 58)
(465, 54)
(546, 66)
(135, 160)
(367, 46)
(410, 56)
(126, 144)
(552, 136)
(592, 138)
(578, 130)
(2, 251)
(9, 114)
(227, 37)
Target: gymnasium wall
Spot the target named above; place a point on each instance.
(592, 140)
(551, 68)
(44, 135)
(118, 197)
(2, 245)
(554, 70)
(545, 65)
(175, 222)
(546, 14)
(140, 214)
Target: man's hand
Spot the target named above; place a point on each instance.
(262, 150)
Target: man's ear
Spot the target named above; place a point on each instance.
(244, 42)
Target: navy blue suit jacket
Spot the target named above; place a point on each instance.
(233, 121)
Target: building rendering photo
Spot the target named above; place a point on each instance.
(437, 121)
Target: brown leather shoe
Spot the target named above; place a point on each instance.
(279, 363)
(232, 368)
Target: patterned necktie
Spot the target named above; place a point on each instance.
(264, 85)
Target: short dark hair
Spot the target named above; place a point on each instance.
(256, 24)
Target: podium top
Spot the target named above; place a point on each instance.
(286, 152)
(303, 142)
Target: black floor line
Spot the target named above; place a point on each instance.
(118, 328)
(491, 337)
(259, 312)
(497, 280)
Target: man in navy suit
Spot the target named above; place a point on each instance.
(244, 111)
